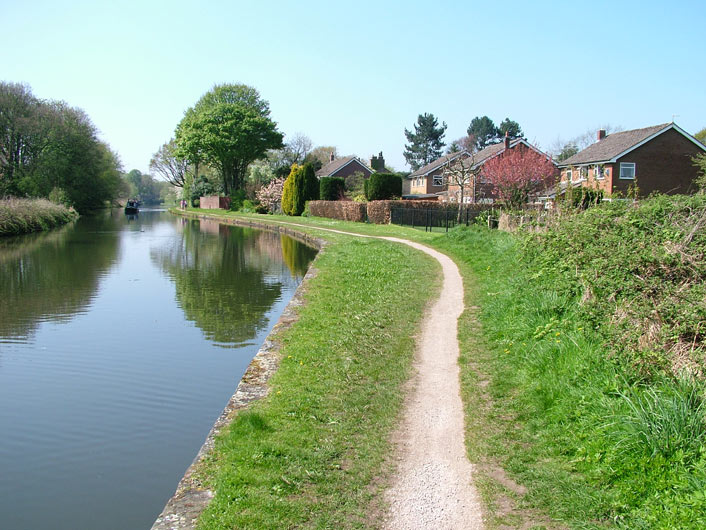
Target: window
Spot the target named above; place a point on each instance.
(598, 172)
(438, 180)
(583, 173)
(569, 175)
(627, 170)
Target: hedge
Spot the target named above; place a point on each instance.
(342, 210)
(331, 188)
(382, 186)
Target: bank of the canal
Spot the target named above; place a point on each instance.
(24, 216)
(314, 449)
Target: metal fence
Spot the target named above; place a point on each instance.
(432, 219)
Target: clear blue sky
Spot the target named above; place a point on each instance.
(355, 74)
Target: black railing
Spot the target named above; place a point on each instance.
(432, 219)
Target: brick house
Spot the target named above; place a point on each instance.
(428, 180)
(656, 159)
(349, 165)
(431, 178)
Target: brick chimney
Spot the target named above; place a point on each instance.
(506, 140)
(601, 134)
(377, 163)
(331, 158)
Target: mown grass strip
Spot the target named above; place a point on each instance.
(314, 452)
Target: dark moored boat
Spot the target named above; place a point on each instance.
(132, 206)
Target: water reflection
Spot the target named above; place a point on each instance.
(227, 278)
(52, 276)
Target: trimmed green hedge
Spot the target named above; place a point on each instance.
(383, 186)
(331, 188)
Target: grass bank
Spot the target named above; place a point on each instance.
(579, 411)
(22, 216)
(313, 453)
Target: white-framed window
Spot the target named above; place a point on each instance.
(627, 170)
(569, 175)
(583, 173)
(438, 180)
(599, 172)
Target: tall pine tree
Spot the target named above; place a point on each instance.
(425, 143)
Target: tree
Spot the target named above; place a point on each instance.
(567, 151)
(701, 136)
(301, 186)
(425, 143)
(700, 162)
(228, 128)
(320, 156)
(169, 165)
(462, 173)
(510, 128)
(484, 131)
(519, 173)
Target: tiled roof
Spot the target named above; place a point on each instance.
(613, 145)
(330, 168)
(431, 166)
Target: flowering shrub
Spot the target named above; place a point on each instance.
(270, 195)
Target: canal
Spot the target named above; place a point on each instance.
(121, 340)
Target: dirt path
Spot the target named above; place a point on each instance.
(432, 486)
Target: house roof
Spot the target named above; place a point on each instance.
(436, 164)
(338, 164)
(615, 145)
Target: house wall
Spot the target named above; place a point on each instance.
(427, 183)
(604, 184)
(662, 164)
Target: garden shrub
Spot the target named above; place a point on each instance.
(331, 188)
(383, 186)
(301, 186)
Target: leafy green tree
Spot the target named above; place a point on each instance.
(510, 128)
(228, 128)
(483, 131)
(425, 143)
(311, 183)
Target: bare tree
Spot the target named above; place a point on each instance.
(299, 146)
(462, 173)
(168, 165)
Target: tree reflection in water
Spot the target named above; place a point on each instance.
(227, 278)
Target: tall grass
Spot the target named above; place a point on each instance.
(21, 216)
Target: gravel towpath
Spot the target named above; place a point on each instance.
(432, 487)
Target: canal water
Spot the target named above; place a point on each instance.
(121, 340)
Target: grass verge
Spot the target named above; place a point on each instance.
(312, 454)
(565, 431)
(22, 216)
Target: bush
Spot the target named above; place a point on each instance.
(331, 188)
(21, 216)
(237, 198)
(301, 186)
(383, 186)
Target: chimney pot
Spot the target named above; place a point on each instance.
(507, 140)
(601, 134)
(331, 158)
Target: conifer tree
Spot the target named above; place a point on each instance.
(425, 143)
